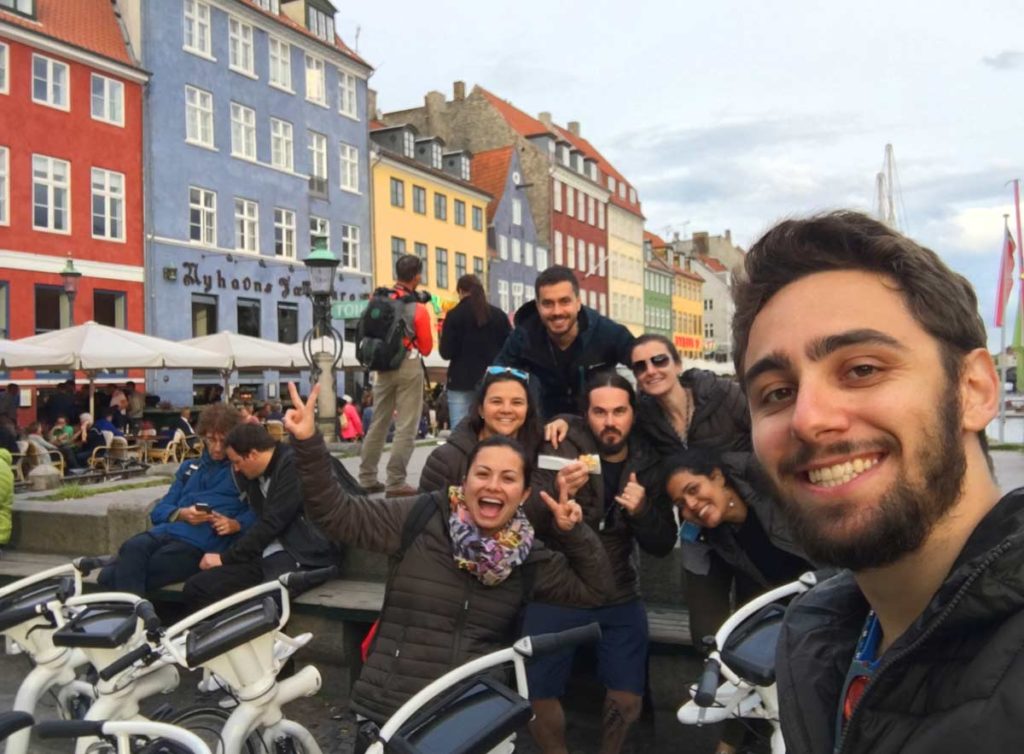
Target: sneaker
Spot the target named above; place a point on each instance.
(403, 491)
(373, 488)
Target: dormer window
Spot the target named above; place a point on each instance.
(274, 6)
(435, 155)
(593, 171)
(632, 195)
(464, 168)
(566, 157)
(611, 184)
(25, 7)
(321, 24)
(408, 144)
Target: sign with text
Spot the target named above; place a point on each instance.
(347, 309)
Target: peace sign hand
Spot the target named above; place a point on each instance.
(632, 496)
(299, 420)
(567, 513)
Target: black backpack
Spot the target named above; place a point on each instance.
(381, 331)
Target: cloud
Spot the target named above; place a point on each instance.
(1005, 61)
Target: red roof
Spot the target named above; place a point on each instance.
(87, 24)
(656, 241)
(490, 172)
(283, 19)
(516, 118)
(711, 263)
(376, 125)
(688, 274)
(606, 168)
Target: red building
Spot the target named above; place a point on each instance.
(70, 170)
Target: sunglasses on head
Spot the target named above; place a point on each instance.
(519, 374)
(660, 360)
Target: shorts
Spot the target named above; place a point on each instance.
(621, 653)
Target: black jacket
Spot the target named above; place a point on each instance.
(281, 517)
(446, 464)
(470, 348)
(951, 683)
(602, 343)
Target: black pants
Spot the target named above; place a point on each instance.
(213, 585)
(149, 561)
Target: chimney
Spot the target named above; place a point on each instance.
(434, 102)
(675, 236)
(574, 127)
(371, 103)
(459, 91)
(728, 235)
(700, 242)
(545, 118)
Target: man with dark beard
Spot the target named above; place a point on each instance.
(615, 478)
(870, 385)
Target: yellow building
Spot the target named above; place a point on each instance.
(423, 204)
(626, 278)
(687, 312)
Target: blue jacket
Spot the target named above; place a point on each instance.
(202, 480)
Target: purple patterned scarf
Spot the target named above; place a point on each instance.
(490, 558)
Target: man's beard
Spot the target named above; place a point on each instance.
(905, 515)
(606, 448)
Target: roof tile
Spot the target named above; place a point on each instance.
(490, 172)
(88, 24)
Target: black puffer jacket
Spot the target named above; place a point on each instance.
(435, 615)
(446, 464)
(470, 348)
(952, 683)
(602, 342)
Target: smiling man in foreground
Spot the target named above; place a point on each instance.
(870, 385)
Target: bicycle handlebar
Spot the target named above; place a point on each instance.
(68, 728)
(299, 581)
(707, 689)
(144, 610)
(125, 661)
(548, 643)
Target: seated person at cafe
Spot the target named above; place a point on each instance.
(111, 421)
(62, 433)
(34, 434)
(87, 439)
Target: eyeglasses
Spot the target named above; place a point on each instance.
(659, 361)
(519, 374)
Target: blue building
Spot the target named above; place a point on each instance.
(516, 254)
(255, 140)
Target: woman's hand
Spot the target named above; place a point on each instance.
(299, 419)
(192, 516)
(572, 477)
(632, 496)
(555, 431)
(567, 513)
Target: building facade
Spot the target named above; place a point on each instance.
(658, 286)
(718, 307)
(256, 141)
(70, 171)
(687, 310)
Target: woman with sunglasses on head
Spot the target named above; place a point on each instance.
(457, 590)
(503, 405)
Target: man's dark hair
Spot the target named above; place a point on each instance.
(653, 337)
(218, 419)
(245, 438)
(554, 275)
(500, 441)
(407, 267)
(699, 461)
(607, 378)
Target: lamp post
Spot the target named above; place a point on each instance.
(322, 344)
(70, 276)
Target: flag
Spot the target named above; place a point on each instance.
(1005, 277)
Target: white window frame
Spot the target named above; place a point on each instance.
(591, 212)
(542, 259)
(517, 211)
(316, 95)
(197, 20)
(284, 229)
(207, 215)
(556, 195)
(570, 252)
(348, 104)
(600, 215)
(517, 295)
(243, 132)
(58, 94)
(348, 164)
(241, 50)
(55, 188)
(320, 226)
(592, 258)
(247, 226)
(5, 69)
(317, 147)
(111, 192)
(5, 186)
(570, 201)
(199, 117)
(503, 302)
(558, 247)
(350, 247)
(111, 101)
(517, 250)
(279, 70)
(282, 144)
(632, 195)
(503, 246)
(528, 254)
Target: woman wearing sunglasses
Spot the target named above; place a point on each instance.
(502, 405)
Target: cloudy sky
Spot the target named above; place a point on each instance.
(735, 113)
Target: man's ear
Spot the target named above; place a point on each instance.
(979, 390)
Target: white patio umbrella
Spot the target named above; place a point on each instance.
(16, 354)
(94, 347)
(247, 352)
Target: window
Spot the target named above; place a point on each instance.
(528, 254)
(349, 160)
(442, 268)
(51, 197)
(570, 202)
(247, 225)
(542, 258)
(5, 191)
(347, 94)
(591, 213)
(558, 247)
(49, 82)
(440, 206)
(556, 195)
(517, 251)
(5, 85)
(503, 247)
(478, 267)
(503, 302)
(460, 212)
(287, 323)
(108, 308)
(478, 218)
(397, 251)
(581, 248)
(419, 200)
(107, 100)
(350, 246)
(709, 330)
(319, 226)
(517, 295)
(281, 144)
(280, 64)
(284, 233)
(632, 195)
(52, 309)
(460, 265)
(316, 87)
(317, 163)
(107, 204)
(198, 116)
(197, 27)
(243, 131)
(600, 215)
(204, 315)
(421, 252)
(321, 24)
(517, 211)
(592, 255)
(570, 252)
(240, 56)
(202, 216)
(611, 184)
(397, 193)
(249, 317)
(622, 191)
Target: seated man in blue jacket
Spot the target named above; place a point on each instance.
(201, 512)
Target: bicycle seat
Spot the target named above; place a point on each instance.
(474, 716)
(101, 625)
(750, 648)
(21, 605)
(221, 633)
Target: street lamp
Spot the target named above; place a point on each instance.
(70, 276)
(323, 343)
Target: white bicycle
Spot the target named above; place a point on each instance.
(744, 654)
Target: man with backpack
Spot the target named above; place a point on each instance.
(392, 338)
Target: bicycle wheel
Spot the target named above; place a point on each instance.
(207, 723)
